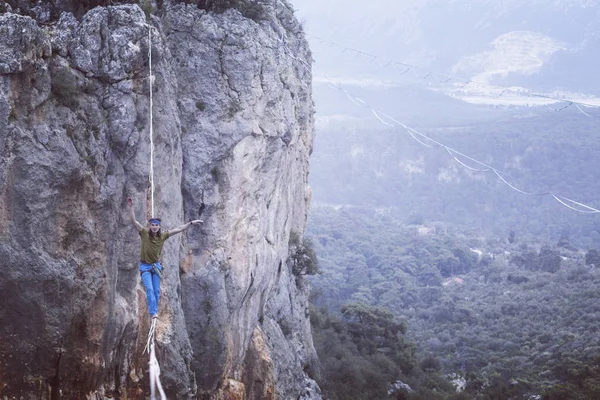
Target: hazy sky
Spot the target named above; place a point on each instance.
(529, 44)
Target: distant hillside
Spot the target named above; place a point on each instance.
(515, 318)
(546, 151)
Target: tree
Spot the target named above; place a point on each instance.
(511, 237)
(592, 257)
(549, 260)
(429, 276)
(361, 355)
(303, 255)
(370, 321)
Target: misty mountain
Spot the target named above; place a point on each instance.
(389, 169)
(514, 42)
(450, 52)
(367, 160)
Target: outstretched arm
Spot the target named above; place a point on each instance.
(137, 225)
(183, 227)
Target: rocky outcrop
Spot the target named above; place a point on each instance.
(233, 124)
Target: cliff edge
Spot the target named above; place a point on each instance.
(233, 124)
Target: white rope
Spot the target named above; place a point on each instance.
(153, 363)
(151, 79)
(583, 112)
(150, 336)
(355, 101)
(407, 129)
(155, 377)
(590, 210)
(501, 94)
(561, 108)
(463, 164)
(381, 119)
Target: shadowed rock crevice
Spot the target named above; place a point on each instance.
(54, 381)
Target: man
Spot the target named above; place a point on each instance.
(152, 242)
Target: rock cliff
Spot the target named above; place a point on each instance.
(233, 120)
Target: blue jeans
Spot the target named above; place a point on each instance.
(151, 282)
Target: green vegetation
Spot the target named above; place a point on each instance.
(514, 317)
(364, 355)
(252, 9)
(216, 173)
(13, 116)
(146, 6)
(302, 255)
(200, 105)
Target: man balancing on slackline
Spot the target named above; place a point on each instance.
(152, 242)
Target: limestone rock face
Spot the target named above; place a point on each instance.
(232, 123)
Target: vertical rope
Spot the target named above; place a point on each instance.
(151, 127)
(154, 367)
(155, 376)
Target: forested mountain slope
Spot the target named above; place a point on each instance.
(536, 152)
(515, 317)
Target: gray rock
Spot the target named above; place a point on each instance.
(233, 119)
